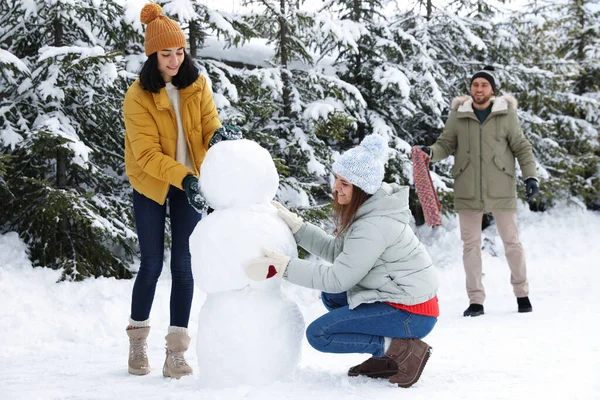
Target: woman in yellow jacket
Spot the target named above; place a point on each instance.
(170, 120)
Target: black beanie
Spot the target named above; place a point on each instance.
(486, 73)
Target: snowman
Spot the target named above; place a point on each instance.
(248, 333)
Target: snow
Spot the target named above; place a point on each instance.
(392, 76)
(180, 10)
(58, 124)
(7, 57)
(289, 194)
(66, 340)
(254, 52)
(9, 138)
(221, 23)
(47, 52)
(345, 31)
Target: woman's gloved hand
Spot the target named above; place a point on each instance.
(192, 190)
(225, 132)
(291, 219)
(269, 265)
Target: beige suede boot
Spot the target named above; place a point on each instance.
(178, 342)
(138, 358)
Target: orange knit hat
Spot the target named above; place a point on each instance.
(161, 32)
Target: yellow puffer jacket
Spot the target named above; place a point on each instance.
(151, 136)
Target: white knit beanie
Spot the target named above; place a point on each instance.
(364, 165)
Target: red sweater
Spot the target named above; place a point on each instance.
(430, 308)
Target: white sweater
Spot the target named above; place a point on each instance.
(182, 154)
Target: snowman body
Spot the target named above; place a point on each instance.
(248, 333)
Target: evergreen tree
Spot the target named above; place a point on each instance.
(68, 201)
(579, 30)
(550, 76)
(290, 107)
(12, 71)
(438, 51)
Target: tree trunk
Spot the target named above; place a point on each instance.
(429, 9)
(61, 153)
(285, 73)
(194, 37)
(581, 85)
(357, 67)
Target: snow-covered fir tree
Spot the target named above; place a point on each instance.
(304, 83)
(65, 174)
(12, 71)
(550, 75)
(286, 103)
(440, 50)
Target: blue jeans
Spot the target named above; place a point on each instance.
(362, 329)
(150, 226)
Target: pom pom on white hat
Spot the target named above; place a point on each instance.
(364, 165)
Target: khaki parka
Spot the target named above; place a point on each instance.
(484, 155)
(151, 136)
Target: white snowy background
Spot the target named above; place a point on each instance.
(67, 340)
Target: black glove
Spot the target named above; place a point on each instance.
(426, 150)
(532, 188)
(225, 132)
(192, 191)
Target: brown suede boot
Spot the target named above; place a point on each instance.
(411, 355)
(138, 359)
(375, 368)
(175, 364)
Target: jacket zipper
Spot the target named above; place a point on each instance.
(480, 162)
(481, 157)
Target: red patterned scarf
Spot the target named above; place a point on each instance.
(432, 208)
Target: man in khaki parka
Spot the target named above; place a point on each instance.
(484, 134)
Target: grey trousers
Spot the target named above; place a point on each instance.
(470, 233)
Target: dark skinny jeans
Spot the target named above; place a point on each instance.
(150, 226)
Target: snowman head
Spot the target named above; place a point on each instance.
(238, 173)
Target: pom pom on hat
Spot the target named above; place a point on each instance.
(377, 145)
(486, 73)
(161, 31)
(364, 165)
(150, 12)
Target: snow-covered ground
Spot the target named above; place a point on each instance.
(67, 340)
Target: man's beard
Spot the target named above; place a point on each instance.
(483, 100)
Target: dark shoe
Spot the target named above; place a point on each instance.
(375, 368)
(524, 304)
(474, 310)
(411, 355)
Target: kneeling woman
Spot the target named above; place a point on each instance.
(381, 287)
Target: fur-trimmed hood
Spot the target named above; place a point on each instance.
(465, 103)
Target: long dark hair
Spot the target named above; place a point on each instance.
(151, 79)
(344, 214)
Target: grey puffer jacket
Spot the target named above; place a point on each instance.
(377, 259)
